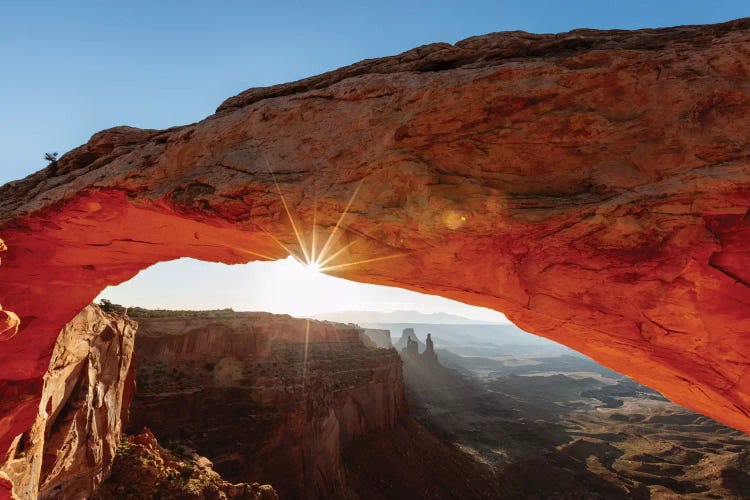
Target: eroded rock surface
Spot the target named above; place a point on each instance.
(86, 392)
(143, 469)
(593, 186)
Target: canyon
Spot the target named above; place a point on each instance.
(592, 185)
(263, 406)
(315, 409)
(218, 404)
(269, 398)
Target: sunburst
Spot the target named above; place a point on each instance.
(324, 259)
(327, 258)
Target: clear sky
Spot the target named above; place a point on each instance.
(72, 68)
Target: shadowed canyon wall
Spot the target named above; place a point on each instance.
(593, 186)
(272, 398)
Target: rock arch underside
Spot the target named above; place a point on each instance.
(594, 186)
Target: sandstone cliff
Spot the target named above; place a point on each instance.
(593, 186)
(408, 334)
(86, 391)
(267, 398)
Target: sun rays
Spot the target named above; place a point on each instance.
(329, 257)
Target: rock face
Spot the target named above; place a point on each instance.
(410, 345)
(271, 398)
(423, 371)
(593, 186)
(143, 469)
(85, 395)
(428, 356)
(8, 321)
(380, 338)
(407, 337)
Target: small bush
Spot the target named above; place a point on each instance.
(108, 307)
(125, 448)
(187, 471)
(51, 159)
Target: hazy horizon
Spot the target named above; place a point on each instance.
(399, 316)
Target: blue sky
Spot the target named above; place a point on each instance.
(72, 68)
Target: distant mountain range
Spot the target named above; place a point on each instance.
(361, 317)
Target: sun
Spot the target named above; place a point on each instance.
(313, 268)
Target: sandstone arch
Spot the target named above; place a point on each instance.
(593, 186)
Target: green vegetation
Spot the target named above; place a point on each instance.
(125, 448)
(108, 307)
(187, 471)
(140, 312)
(51, 159)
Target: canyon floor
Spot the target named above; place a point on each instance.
(553, 424)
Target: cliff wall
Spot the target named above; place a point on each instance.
(267, 398)
(85, 396)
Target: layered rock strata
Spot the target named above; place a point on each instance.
(86, 392)
(267, 398)
(593, 186)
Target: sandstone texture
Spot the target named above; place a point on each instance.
(8, 322)
(593, 186)
(71, 444)
(267, 398)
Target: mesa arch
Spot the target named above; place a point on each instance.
(593, 186)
